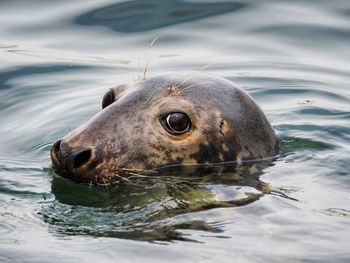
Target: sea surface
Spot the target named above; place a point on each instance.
(58, 58)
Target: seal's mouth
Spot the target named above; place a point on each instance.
(85, 165)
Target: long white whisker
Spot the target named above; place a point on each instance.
(194, 73)
(149, 58)
(196, 84)
(104, 181)
(140, 170)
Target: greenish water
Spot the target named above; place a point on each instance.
(57, 59)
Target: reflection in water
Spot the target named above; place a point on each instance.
(141, 208)
(137, 16)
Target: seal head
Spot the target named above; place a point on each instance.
(165, 120)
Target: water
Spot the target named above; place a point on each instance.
(59, 58)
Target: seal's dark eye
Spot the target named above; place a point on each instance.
(177, 123)
(108, 99)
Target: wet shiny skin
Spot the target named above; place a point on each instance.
(226, 125)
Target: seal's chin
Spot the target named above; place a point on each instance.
(89, 178)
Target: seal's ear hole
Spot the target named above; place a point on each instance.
(113, 95)
(176, 123)
(224, 128)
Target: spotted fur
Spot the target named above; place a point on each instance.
(227, 125)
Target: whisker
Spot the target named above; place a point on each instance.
(196, 84)
(153, 42)
(205, 66)
(139, 170)
(121, 178)
(137, 175)
(148, 61)
(195, 72)
(149, 58)
(104, 181)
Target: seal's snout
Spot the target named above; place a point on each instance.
(72, 161)
(54, 152)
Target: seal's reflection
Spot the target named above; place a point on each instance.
(137, 16)
(141, 208)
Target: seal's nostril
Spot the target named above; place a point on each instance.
(81, 158)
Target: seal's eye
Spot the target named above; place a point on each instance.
(177, 123)
(108, 99)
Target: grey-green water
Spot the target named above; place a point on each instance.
(57, 59)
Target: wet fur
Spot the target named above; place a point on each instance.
(227, 126)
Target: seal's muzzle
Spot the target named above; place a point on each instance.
(70, 160)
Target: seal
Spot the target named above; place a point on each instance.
(162, 121)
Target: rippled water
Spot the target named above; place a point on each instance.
(58, 59)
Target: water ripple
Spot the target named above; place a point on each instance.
(291, 56)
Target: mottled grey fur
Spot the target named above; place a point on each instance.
(227, 125)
